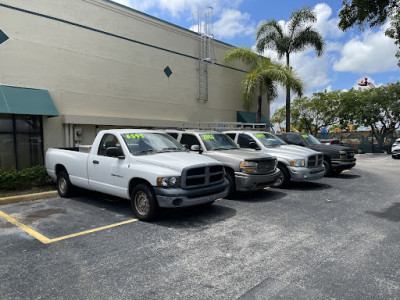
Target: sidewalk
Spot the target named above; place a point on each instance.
(28, 197)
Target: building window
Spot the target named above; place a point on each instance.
(21, 141)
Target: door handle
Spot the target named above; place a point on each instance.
(96, 162)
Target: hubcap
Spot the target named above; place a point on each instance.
(62, 184)
(142, 203)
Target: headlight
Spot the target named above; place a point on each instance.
(298, 163)
(248, 166)
(167, 182)
(341, 152)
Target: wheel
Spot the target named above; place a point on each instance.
(283, 178)
(64, 185)
(337, 172)
(144, 202)
(232, 185)
(328, 169)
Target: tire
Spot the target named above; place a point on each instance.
(337, 172)
(144, 202)
(64, 186)
(284, 177)
(328, 169)
(232, 185)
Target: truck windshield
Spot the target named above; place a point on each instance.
(150, 142)
(311, 140)
(218, 141)
(269, 140)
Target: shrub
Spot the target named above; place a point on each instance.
(24, 179)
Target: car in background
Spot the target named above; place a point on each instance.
(337, 158)
(396, 149)
(295, 163)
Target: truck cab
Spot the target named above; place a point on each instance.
(336, 157)
(295, 163)
(246, 170)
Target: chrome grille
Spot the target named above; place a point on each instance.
(265, 166)
(202, 176)
(315, 161)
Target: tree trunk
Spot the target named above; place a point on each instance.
(287, 99)
(259, 100)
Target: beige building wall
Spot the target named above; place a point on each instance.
(97, 80)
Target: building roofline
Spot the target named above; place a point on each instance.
(161, 20)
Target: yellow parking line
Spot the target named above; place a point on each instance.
(27, 229)
(345, 171)
(46, 240)
(92, 230)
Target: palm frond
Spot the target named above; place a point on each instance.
(243, 54)
(308, 37)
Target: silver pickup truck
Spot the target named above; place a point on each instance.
(295, 163)
(246, 170)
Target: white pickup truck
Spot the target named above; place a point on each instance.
(148, 167)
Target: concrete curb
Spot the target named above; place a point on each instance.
(28, 197)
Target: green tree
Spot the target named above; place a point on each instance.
(373, 12)
(377, 108)
(297, 35)
(263, 77)
(311, 114)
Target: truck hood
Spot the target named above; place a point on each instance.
(395, 147)
(330, 148)
(236, 154)
(290, 152)
(175, 160)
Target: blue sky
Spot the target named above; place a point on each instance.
(348, 57)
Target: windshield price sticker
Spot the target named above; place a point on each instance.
(134, 136)
(208, 137)
(260, 135)
(304, 135)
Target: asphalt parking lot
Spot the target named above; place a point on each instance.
(333, 238)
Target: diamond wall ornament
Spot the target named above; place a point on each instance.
(3, 37)
(167, 71)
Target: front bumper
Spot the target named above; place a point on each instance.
(342, 164)
(250, 182)
(306, 174)
(396, 153)
(184, 198)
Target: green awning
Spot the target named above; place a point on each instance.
(25, 101)
(250, 117)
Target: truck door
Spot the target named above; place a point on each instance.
(106, 174)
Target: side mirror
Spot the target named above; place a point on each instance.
(253, 145)
(196, 148)
(115, 152)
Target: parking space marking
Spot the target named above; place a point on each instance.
(345, 171)
(46, 240)
(25, 228)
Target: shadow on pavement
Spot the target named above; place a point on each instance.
(306, 186)
(105, 202)
(201, 216)
(259, 196)
(392, 213)
(346, 176)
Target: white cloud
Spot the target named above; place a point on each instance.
(373, 52)
(232, 23)
(326, 26)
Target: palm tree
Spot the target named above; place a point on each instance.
(263, 77)
(296, 36)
